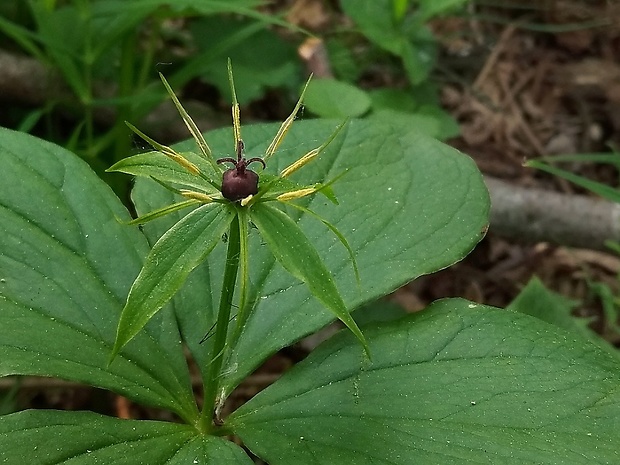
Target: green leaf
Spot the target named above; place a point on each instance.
(113, 20)
(410, 40)
(181, 249)
(262, 60)
(456, 383)
(297, 255)
(329, 98)
(375, 20)
(379, 311)
(342, 58)
(538, 301)
(161, 212)
(24, 37)
(448, 126)
(202, 287)
(403, 108)
(432, 8)
(49, 436)
(409, 206)
(399, 8)
(56, 29)
(388, 98)
(334, 230)
(422, 123)
(609, 302)
(418, 52)
(66, 264)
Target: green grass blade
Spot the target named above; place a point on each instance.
(604, 191)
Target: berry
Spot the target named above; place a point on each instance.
(239, 182)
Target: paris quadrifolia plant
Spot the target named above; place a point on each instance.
(263, 257)
(228, 202)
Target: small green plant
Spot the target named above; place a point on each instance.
(110, 67)
(610, 302)
(536, 300)
(393, 28)
(458, 382)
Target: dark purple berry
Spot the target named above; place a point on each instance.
(239, 182)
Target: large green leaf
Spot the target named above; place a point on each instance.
(408, 206)
(66, 264)
(51, 437)
(197, 302)
(458, 383)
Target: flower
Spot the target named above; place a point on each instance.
(230, 201)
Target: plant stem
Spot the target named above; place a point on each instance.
(126, 79)
(221, 328)
(242, 312)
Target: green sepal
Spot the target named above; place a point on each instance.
(292, 249)
(161, 167)
(337, 233)
(163, 211)
(181, 249)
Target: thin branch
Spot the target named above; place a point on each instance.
(537, 215)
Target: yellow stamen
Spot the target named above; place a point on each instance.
(235, 107)
(296, 194)
(204, 198)
(184, 162)
(290, 169)
(286, 125)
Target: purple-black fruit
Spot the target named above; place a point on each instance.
(239, 182)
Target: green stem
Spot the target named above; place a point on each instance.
(125, 87)
(221, 328)
(242, 312)
(88, 62)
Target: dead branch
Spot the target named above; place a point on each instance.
(26, 81)
(537, 215)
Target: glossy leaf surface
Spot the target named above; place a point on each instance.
(51, 437)
(298, 256)
(456, 383)
(66, 264)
